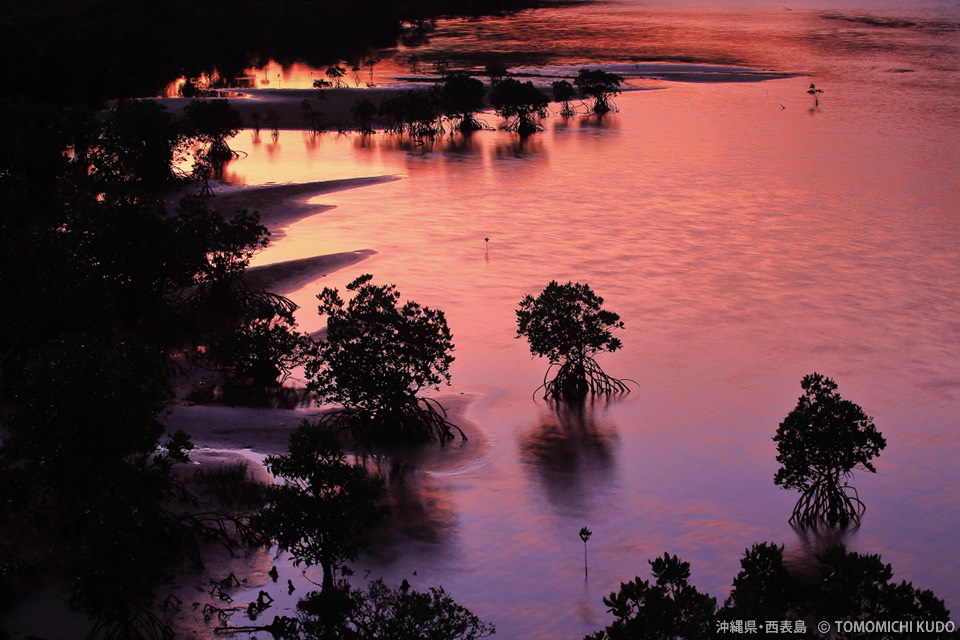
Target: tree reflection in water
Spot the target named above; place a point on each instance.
(571, 452)
(421, 510)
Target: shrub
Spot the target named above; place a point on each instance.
(568, 325)
(375, 360)
(599, 85)
(819, 444)
(520, 104)
(325, 507)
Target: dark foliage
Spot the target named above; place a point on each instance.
(568, 325)
(819, 444)
(667, 609)
(262, 347)
(563, 92)
(210, 123)
(98, 50)
(520, 104)
(461, 98)
(763, 587)
(107, 287)
(139, 143)
(856, 587)
(497, 71)
(324, 508)
(381, 612)
(336, 73)
(363, 112)
(847, 587)
(376, 358)
(415, 112)
(599, 85)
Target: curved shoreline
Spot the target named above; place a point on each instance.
(267, 431)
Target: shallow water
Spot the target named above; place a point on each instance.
(744, 239)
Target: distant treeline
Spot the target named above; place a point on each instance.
(88, 51)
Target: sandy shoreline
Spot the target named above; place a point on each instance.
(267, 431)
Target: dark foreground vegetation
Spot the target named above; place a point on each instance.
(111, 291)
(767, 600)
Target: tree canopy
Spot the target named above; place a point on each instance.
(376, 358)
(568, 325)
(325, 507)
(668, 608)
(402, 613)
(520, 104)
(846, 587)
(599, 85)
(109, 293)
(461, 98)
(819, 445)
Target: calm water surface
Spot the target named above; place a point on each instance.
(745, 241)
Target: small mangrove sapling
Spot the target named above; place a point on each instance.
(585, 535)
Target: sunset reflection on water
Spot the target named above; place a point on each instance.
(745, 241)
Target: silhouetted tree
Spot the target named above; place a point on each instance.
(416, 112)
(377, 357)
(461, 97)
(847, 587)
(336, 73)
(563, 91)
(856, 587)
(325, 506)
(497, 71)
(599, 85)
(82, 399)
(568, 325)
(363, 112)
(211, 122)
(815, 94)
(138, 143)
(313, 117)
(668, 609)
(263, 347)
(381, 612)
(763, 589)
(520, 104)
(585, 535)
(819, 444)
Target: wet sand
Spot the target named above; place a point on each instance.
(267, 431)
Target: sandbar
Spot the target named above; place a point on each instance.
(267, 431)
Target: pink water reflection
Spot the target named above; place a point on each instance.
(744, 245)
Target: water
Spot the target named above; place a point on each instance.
(744, 239)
